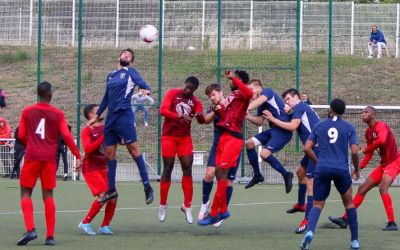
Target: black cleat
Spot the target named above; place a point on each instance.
(28, 236)
(340, 221)
(108, 196)
(256, 179)
(391, 226)
(50, 241)
(288, 182)
(149, 195)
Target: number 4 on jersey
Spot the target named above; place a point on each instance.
(40, 128)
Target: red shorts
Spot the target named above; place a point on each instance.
(97, 181)
(393, 169)
(31, 170)
(377, 173)
(228, 151)
(176, 145)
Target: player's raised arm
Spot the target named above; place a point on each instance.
(382, 132)
(103, 104)
(291, 126)
(256, 120)
(89, 146)
(368, 156)
(166, 104)
(138, 80)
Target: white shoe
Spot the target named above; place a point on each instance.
(203, 210)
(162, 212)
(188, 213)
(218, 224)
(146, 124)
(370, 56)
(379, 56)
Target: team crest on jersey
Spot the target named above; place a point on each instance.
(374, 136)
(183, 109)
(122, 75)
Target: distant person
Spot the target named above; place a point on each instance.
(376, 41)
(5, 135)
(140, 100)
(305, 99)
(3, 97)
(19, 152)
(62, 151)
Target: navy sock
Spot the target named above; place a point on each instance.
(253, 160)
(142, 170)
(309, 206)
(207, 187)
(301, 196)
(275, 164)
(229, 191)
(353, 223)
(313, 218)
(111, 172)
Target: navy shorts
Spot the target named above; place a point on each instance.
(323, 178)
(119, 128)
(211, 158)
(308, 164)
(274, 139)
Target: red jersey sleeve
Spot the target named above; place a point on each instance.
(89, 146)
(382, 133)
(66, 134)
(367, 157)
(166, 105)
(247, 93)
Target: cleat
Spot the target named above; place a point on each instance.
(28, 236)
(203, 210)
(65, 177)
(391, 226)
(297, 208)
(188, 214)
(162, 212)
(288, 182)
(340, 221)
(208, 220)
(224, 216)
(86, 228)
(306, 242)
(108, 196)
(50, 241)
(370, 56)
(149, 195)
(355, 244)
(256, 179)
(302, 227)
(106, 230)
(218, 224)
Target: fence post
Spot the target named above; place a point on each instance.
(397, 30)
(203, 22)
(160, 80)
(251, 24)
(117, 26)
(301, 26)
(30, 22)
(352, 30)
(73, 24)
(20, 25)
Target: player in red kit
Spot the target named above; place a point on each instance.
(378, 136)
(40, 127)
(233, 110)
(179, 107)
(94, 169)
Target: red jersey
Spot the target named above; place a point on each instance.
(174, 106)
(93, 145)
(40, 127)
(234, 108)
(380, 137)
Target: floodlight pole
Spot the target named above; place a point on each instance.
(330, 53)
(79, 75)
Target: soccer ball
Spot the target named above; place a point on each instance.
(148, 33)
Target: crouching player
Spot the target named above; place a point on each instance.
(94, 169)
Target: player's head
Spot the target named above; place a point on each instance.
(214, 93)
(45, 91)
(256, 86)
(242, 75)
(90, 111)
(126, 57)
(191, 84)
(368, 115)
(304, 97)
(337, 107)
(374, 28)
(291, 97)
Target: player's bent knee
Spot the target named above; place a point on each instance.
(265, 153)
(250, 144)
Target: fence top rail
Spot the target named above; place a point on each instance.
(360, 107)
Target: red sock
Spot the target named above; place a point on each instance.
(164, 188)
(187, 188)
(50, 214)
(27, 211)
(219, 202)
(94, 210)
(357, 200)
(109, 212)
(387, 202)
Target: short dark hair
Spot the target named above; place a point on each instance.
(193, 80)
(338, 106)
(293, 92)
(211, 87)
(130, 51)
(256, 82)
(44, 89)
(89, 108)
(372, 109)
(243, 75)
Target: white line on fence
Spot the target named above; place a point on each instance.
(301, 25)
(73, 24)
(117, 26)
(352, 30)
(30, 22)
(251, 24)
(397, 30)
(203, 22)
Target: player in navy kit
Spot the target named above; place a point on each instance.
(119, 125)
(334, 136)
(303, 119)
(273, 139)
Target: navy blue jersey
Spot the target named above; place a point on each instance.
(119, 88)
(216, 119)
(308, 119)
(274, 104)
(333, 137)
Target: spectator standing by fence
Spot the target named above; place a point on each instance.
(140, 101)
(376, 41)
(19, 152)
(62, 152)
(3, 96)
(5, 133)
(305, 99)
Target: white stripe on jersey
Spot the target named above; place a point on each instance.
(273, 103)
(306, 121)
(129, 87)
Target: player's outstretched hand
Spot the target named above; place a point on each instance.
(356, 174)
(78, 165)
(267, 114)
(229, 74)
